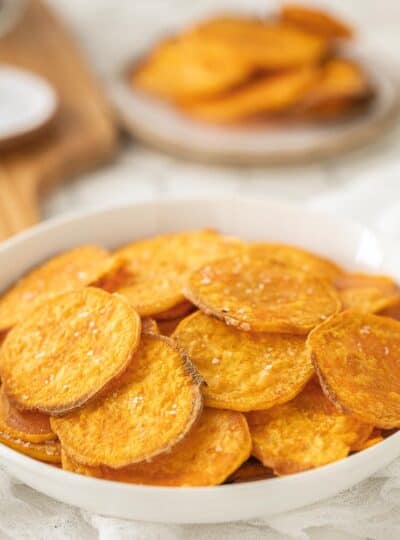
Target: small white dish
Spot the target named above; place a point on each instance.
(159, 124)
(349, 244)
(27, 104)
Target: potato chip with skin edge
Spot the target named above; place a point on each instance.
(144, 414)
(356, 358)
(158, 267)
(69, 350)
(25, 426)
(244, 371)
(258, 295)
(217, 445)
(67, 271)
(305, 433)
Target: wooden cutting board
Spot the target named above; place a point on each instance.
(82, 135)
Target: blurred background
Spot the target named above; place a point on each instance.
(361, 183)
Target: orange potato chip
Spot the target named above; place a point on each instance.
(216, 446)
(300, 258)
(158, 266)
(303, 434)
(250, 471)
(24, 425)
(391, 311)
(71, 270)
(150, 326)
(264, 44)
(200, 68)
(266, 94)
(244, 371)
(154, 408)
(367, 292)
(177, 312)
(315, 20)
(49, 451)
(68, 350)
(356, 356)
(375, 438)
(340, 79)
(257, 294)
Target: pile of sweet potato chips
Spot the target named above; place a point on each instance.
(195, 358)
(235, 68)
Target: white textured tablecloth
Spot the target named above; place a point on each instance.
(364, 185)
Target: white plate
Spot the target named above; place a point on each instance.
(351, 245)
(161, 125)
(27, 103)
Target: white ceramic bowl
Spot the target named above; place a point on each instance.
(351, 245)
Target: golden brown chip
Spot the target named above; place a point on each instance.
(177, 312)
(367, 292)
(305, 433)
(244, 371)
(264, 44)
(150, 326)
(217, 445)
(189, 67)
(340, 78)
(156, 406)
(250, 471)
(24, 425)
(268, 94)
(374, 438)
(159, 266)
(68, 350)
(356, 356)
(256, 294)
(300, 258)
(315, 21)
(71, 270)
(49, 452)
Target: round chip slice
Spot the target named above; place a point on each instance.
(24, 425)
(68, 350)
(156, 406)
(300, 258)
(49, 452)
(159, 266)
(217, 445)
(244, 371)
(316, 21)
(254, 293)
(305, 433)
(366, 292)
(356, 357)
(72, 270)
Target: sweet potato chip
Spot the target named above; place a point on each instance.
(265, 95)
(156, 406)
(177, 312)
(375, 438)
(74, 269)
(250, 471)
(68, 350)
(315, 21)
(158, 266)
(150, 326)
(305, 433)
(244, 371)
(367, 292)
(189, 67)
(217, 445)
(300, 258)
(356, 356)
(340, 79)
(24, 425)
(264, 44)
(256, 294)
(49, 452)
